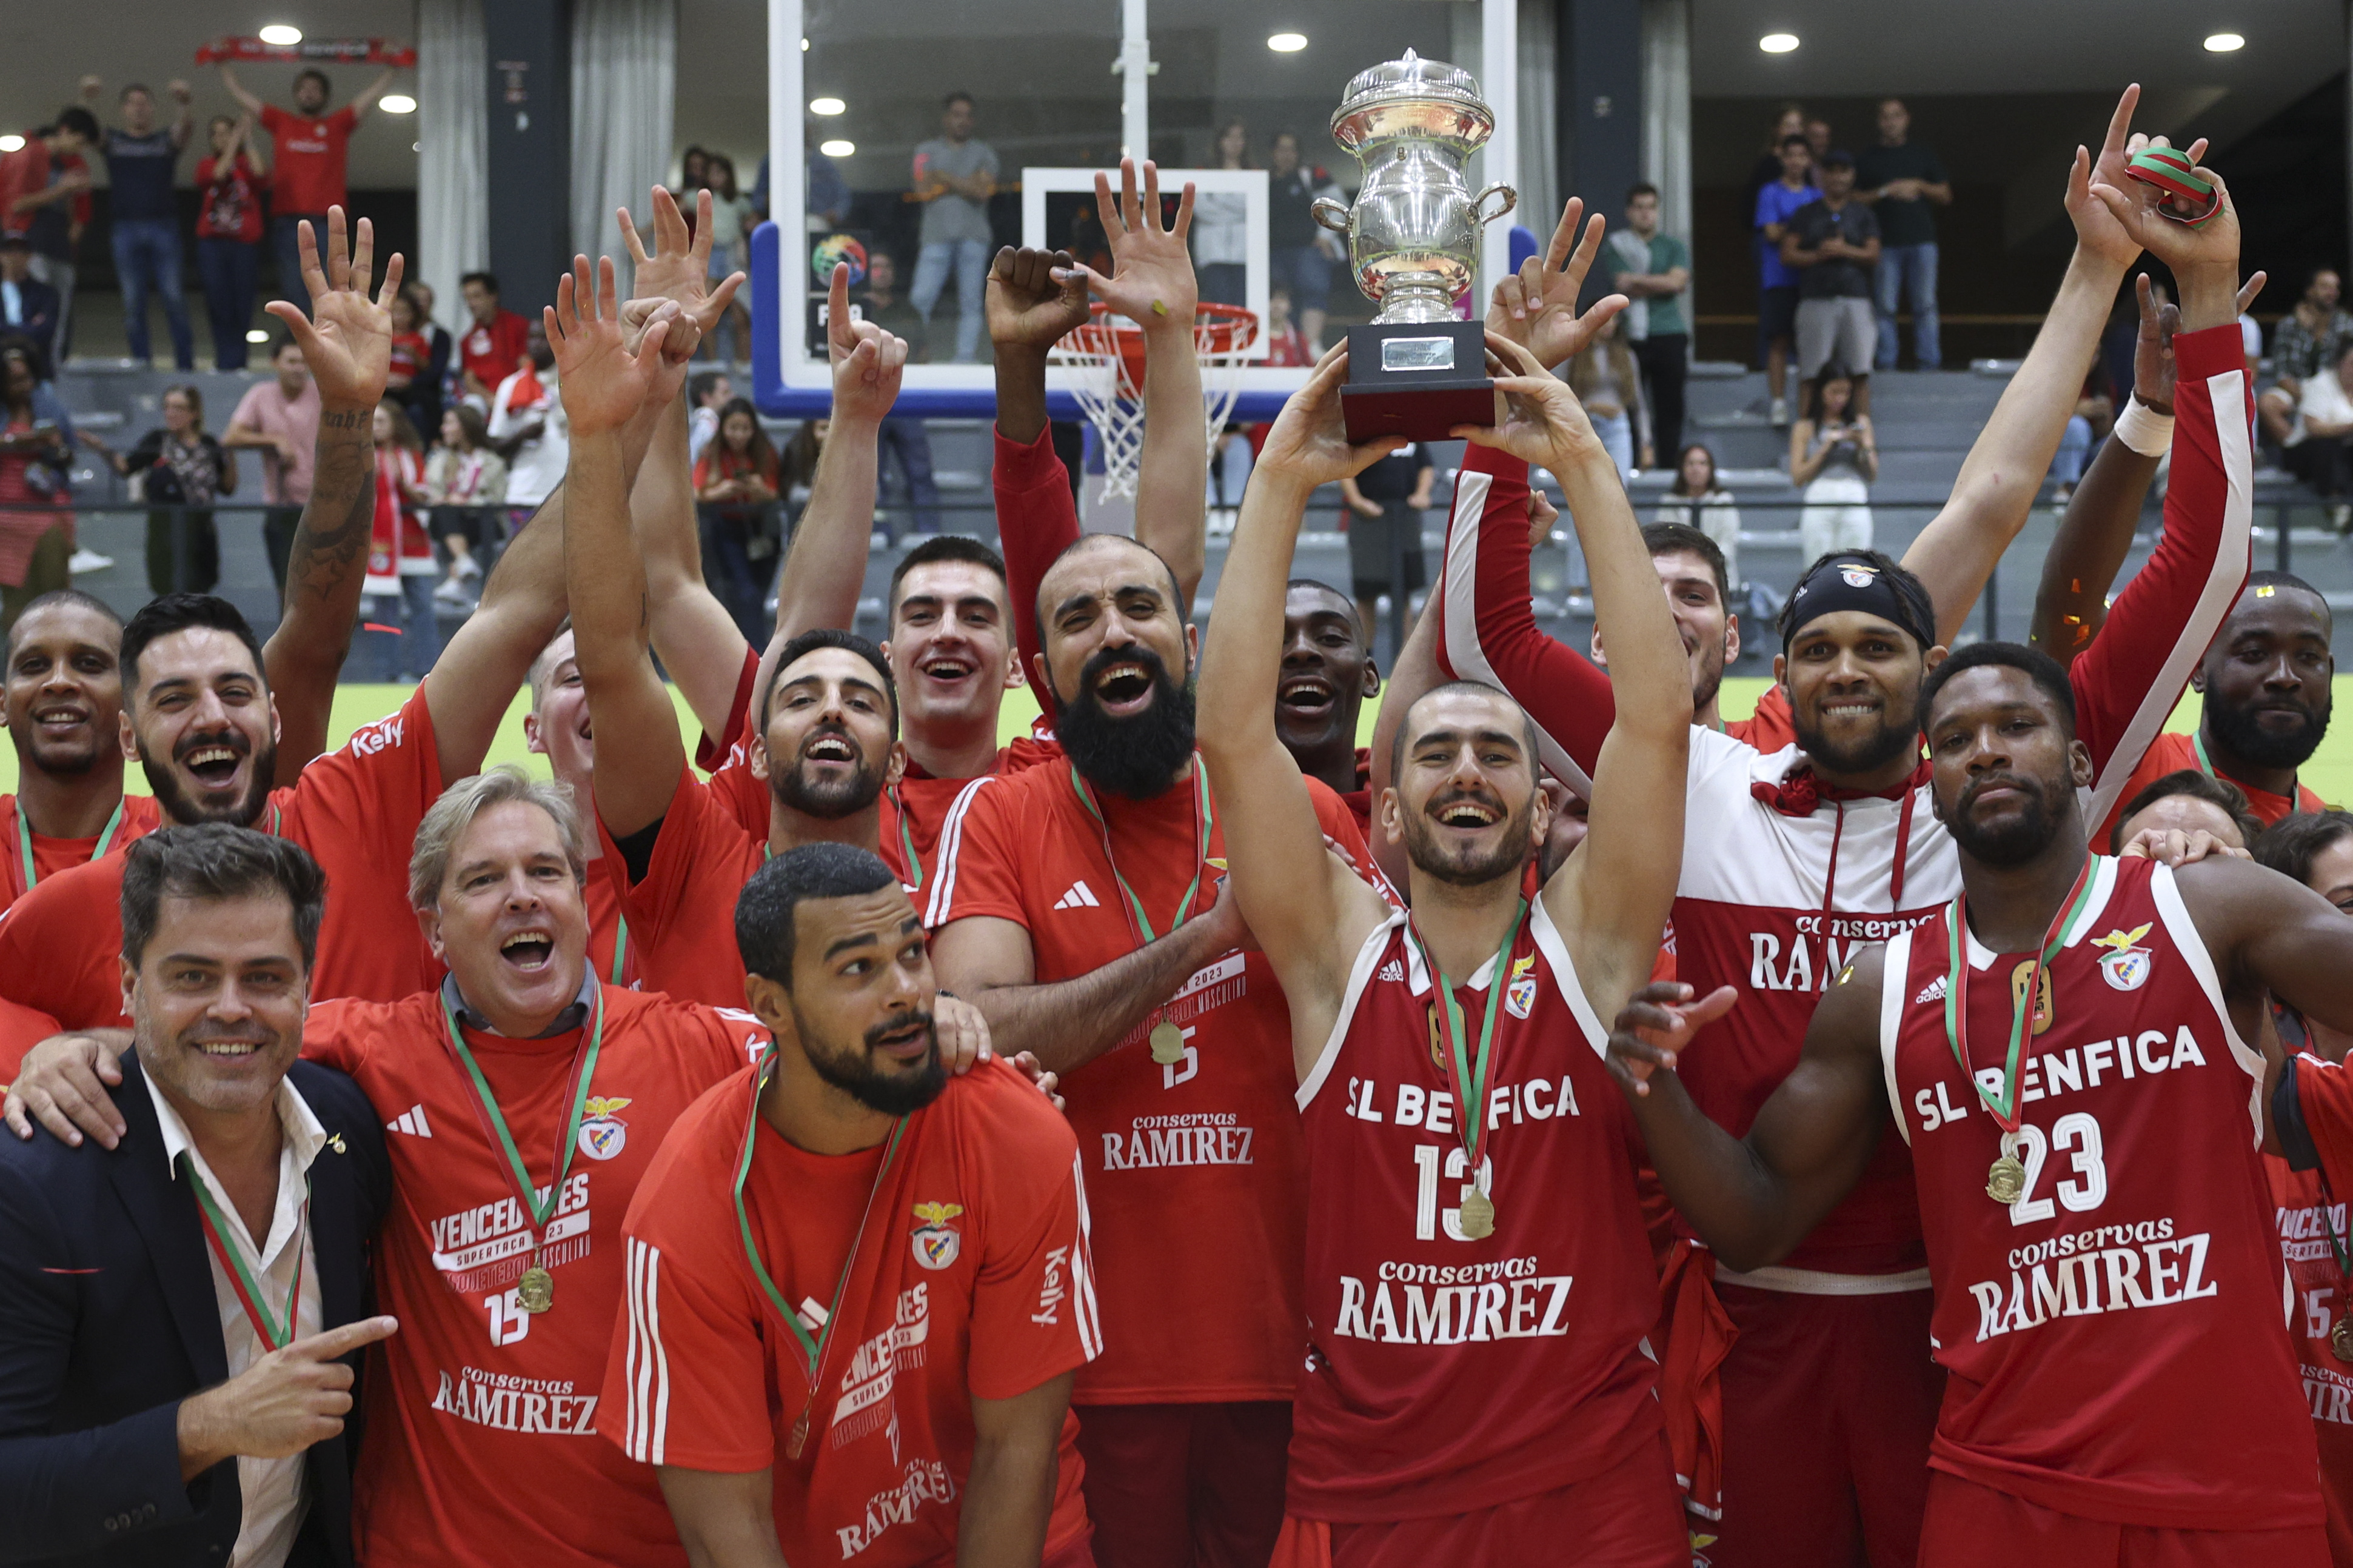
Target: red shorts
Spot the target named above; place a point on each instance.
(1970, 1525)
(1630, 1515)
(1829, 1404)
(1185, 1485)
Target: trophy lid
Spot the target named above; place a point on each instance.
(1412, 95)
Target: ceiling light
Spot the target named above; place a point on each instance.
(837, 148)
(804, 45)
(1287, 43)
(256, 335)
(397, 103)
(827, 106)
(11, 142)
(281, 34)
(1777, 43)
(2224, 43)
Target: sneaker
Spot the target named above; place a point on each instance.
(86, 560)
(466, 569)
(449, 591)
(1780, 414)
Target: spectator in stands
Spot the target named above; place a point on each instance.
(181, 472)
(528, 427)
(1900, 180)
(1833, 458)
(709, 391)
(45, 197)
(1654, 270)
(1790, 121)
(143, 215)
(229, 188)
(1696, 498)
(881, 303)
(313, 151)
(438, 345)
(1285, 343)
(2094, 417)
(2322, 440)
(1300, 253)
(280, 417)
(737, 484)
(1611, 389)
(1388, 499)
(1833, 243)
(494, 345)
(1777, 290)
(399, 589)
(28, 307)
(409, 381)
(1221, 226)
(35, 542)
(955, 177)
(465, 481)
(732, 218)
(1817, 139)
(2306, 342)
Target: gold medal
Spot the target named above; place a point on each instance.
(2006, 1182)
(2340, 1339)
(1167, 1044)
(537, 1289)
(1478, 1214)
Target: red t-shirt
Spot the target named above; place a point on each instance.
(21, 1029)
(24, 172)
(492, 353)
(311, 158)
(229, 202)
(480, 1448)
(1196, 1168)
(2312, 1228)
(356, 810)
(140, 817)
(2172, 751)
(968, 1277)
(410, 351)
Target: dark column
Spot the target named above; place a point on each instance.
(529, 84)
(1600, 78)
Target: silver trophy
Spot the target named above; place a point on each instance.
(1413, 241)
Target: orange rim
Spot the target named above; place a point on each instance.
(1217, 330)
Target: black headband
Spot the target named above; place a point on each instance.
(1853, 583)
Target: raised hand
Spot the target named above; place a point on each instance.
(680, 265)
(348, 337)
(2136, 209)
(868, 362)
(602, 383)
(1655, 1025)
(1308, 441)
(1542, 421)
(1035, 297)
(1536, 305)
(1151, 282)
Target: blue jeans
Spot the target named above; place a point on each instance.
(286, 243)
(2074, 451)
(408, 653)
(231, 270)
(968, 258)
(908, 439)
(1305, 272)
(147, 255)
(1917, 262)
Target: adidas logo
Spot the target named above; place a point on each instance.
(1931, 992)
(411, 1121)
(1394, 969)
(1080, 897)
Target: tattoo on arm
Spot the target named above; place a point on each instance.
(324, 548)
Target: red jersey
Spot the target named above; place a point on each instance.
(24, 172)
(311, 159)
(947, 1265)
(485, 1451)
(2314, 1239)
(356, 809)
(410, 353)
(492, 351)
(2172, 751)
(228, 201)
(398, 546)
(1418, 1333)
(21, 1029)
(2113, 1337)
(1197, 1164)
(140, 817)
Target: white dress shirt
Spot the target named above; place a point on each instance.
(272, 1490)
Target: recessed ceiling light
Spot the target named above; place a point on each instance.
(827, 106)
(397, 103)
(1777, 43)
(837, 148)
(1287, 43)
(281, 34)
(804, 45)
(2223, 43)
(256, 335)
(11, 142)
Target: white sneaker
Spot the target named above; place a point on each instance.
(86, 560)
(449, 591)
(468, 569)
(1781, 411)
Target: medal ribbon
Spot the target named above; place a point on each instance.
(1470, 1074)
(2004, 1110)
(914, 868)
(24, 842)
(275, 1333)
(1205, 818)
(620, 948)
(813, 1351)
(494, 1121)
(2206, 767)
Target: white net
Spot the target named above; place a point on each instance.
(1105, 358)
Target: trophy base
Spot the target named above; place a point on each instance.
(1418, 380)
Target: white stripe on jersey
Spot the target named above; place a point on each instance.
(1083, 1311)
(2184, 933)
(1893, 982)
(1360, 975)
(936, 912)
(647, 1367)
(1459, 588)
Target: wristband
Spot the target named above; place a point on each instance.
(2145, 431)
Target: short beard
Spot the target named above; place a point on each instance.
(1711, 682)
(1508, 858)
(2015, 842)
(2241, 735)
(1864, 756)
(1134, 758)
(178, 807)
(828, 803)
(853, 1072)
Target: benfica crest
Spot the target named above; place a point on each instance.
(1520, 996)
(1858, 576)
(603, 1134)
(935, 1242)
(2125, 965)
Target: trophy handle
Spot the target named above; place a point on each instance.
(1481, 217)
(1332, 214)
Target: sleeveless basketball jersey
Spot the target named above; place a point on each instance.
(1446, 1374)
(2114, 1336)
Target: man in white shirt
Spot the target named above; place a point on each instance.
(2317, 448)
(527, 425)
(180, 1315)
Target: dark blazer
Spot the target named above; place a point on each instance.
(107, 1320)
(39, 304)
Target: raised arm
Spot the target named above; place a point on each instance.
(1312, 911)
(826, 567)
(184, 124)
(347, 342)
(366, 97)
(253, 105)
(1035, 298)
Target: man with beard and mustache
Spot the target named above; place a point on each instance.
(1797, 856)
(1449, 1061)
(818, 1215)
(1078, 906)
(2071, 1075)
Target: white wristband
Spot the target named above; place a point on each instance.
(2150, 434)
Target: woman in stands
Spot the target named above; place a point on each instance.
(181, 471)
(1697, 500)
(1833, 458)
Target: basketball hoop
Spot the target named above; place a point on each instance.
(1105, 358)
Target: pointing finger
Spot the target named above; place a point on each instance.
(342, 1341)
